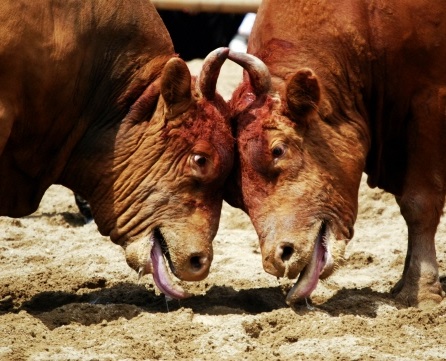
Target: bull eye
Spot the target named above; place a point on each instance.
(200, 160)
(278, 151)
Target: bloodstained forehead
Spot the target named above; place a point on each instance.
(263, 114)
(202, 121)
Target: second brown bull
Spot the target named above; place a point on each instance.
(355, 86)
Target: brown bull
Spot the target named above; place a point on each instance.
(356, 86)
(93, 97)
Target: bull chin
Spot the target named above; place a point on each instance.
(146, 256)
(320, 266)
(161, 275)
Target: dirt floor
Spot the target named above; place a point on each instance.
(66, 293)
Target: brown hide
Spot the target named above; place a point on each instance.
(93, 97)
(357, 86)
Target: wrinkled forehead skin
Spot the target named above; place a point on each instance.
(195, 201)
(257, 128)
(170, 193)
(205, 125)
(254, 125)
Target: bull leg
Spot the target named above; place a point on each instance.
(399, 285)
(421, 203)
(420, 284)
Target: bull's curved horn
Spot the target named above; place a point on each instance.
(207, 79)
(259, 75)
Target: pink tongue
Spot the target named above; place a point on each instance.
(309, 277)
(161, 275)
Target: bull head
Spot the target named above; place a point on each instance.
(289, 156)
(177, 145)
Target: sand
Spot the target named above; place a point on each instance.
(66, 293)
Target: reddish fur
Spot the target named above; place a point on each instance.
(92, 100)
(380, 69)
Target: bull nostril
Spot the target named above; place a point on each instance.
(282, 261)
(287, 252)
(196, 263)
(194, 268)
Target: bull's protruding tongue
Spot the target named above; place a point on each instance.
(161, 275)
(309, 276)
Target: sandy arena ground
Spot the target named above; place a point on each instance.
(66, 293)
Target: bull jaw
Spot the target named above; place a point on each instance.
(161, 275)
(320, 266)
(155, 263)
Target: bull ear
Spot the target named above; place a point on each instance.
(176, 87)
(303, 93)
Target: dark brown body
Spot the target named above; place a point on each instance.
(93, 97)
(357, 86)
